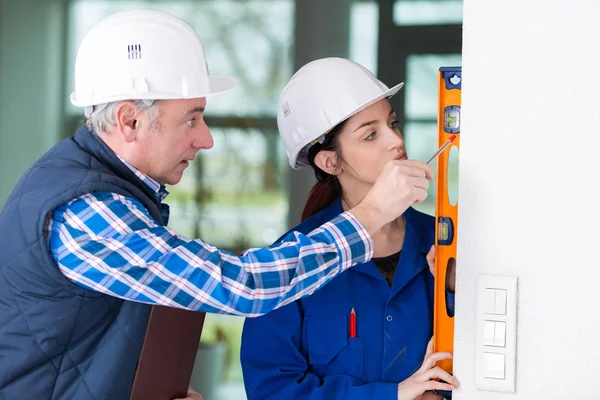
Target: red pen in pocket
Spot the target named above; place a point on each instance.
(352, 323)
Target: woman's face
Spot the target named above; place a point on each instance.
(367, 141)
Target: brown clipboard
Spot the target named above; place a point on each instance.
(168, 354)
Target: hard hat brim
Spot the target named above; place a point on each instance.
(220, 84)
(297, 164)
(387, 94)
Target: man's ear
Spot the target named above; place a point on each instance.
(328, 161)
(126, 117)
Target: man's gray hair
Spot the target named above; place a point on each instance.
(100, 117)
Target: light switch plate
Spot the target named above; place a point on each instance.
(495, 365)
(500, 303)
(505, 287)
(499, 334)
(490, 301)
(489, 333)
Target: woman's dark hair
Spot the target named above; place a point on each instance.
(328, 187)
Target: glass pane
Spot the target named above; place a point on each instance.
(428, 12)
(422, 83)
(234, 196)
(364, 34)
(250, 40)
(421, 143)
(225, 329)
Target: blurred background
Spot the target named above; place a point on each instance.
(242, 193)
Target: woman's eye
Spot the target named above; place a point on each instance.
(192, 122)
(371, 136)
(394, 125)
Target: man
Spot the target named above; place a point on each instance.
(84, 243)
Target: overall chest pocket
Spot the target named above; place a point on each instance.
(330, 350)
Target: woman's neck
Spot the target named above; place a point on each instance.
(389, 239)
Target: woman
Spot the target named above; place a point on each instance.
(334, 115)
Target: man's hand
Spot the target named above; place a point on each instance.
(401, 184)
(192, 395)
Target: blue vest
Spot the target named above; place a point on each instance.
(57, 339)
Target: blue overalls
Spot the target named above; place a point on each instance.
(303, 350)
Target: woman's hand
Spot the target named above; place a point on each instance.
(429, 396)
(450, 270)
(431, 260)
(424, 379)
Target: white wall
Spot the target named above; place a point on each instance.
(529, 175)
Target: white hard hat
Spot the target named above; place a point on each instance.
(322, 94)
(142, 55)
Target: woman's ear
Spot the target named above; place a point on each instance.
(328, 161)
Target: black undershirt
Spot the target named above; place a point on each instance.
(387, 266)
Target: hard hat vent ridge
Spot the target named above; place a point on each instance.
(134, 51)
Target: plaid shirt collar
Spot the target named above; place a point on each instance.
(160, 190)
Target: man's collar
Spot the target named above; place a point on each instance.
(156, 187)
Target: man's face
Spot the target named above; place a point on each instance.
(165, 149)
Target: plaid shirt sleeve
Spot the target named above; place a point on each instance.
(109, 243)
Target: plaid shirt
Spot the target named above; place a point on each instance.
(109, 243)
